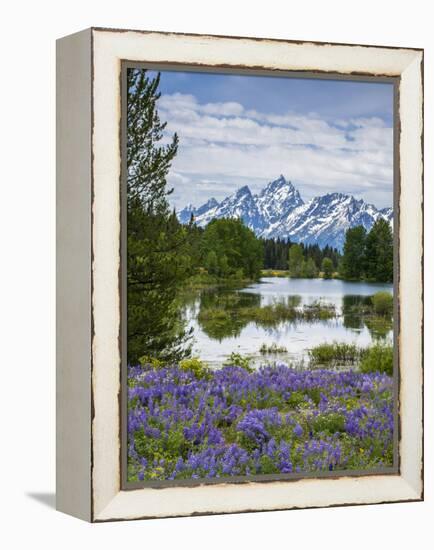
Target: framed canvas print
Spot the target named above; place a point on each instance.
(239, 267)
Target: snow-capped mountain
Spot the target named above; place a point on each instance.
(324, 220)
(276, 199)
(278, 211)
(242, 204)
(387, 213)
(184, 215)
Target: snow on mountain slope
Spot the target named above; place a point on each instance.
(324, 220)
(242, 204)
(278, 211)
(184, 215)
(277, 199)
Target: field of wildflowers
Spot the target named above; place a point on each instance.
(188, 423)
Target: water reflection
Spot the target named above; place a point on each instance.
(226, 320)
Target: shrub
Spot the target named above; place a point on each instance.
(314, 394)
(214, 314)
(378, 357)
(336, 352)
(237, 360)
(272, 348)
(318, 311)
(330, 423)
(152, 361)
(296, 399)
(383, 303)
(199, 368)
(327, 268)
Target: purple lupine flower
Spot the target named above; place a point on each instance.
(168, 401)
(298, 430)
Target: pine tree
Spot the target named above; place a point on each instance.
(379, 252)
(237, 249)
(157, 262)
(353, 261)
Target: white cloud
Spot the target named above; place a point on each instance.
(222, 145)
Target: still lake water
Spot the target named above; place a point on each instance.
(214, 343)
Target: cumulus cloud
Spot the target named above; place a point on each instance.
(223, 145)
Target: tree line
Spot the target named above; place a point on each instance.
(303, 261)
(368, 255)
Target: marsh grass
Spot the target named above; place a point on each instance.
(268, 315)
(382, 303)
(376, 358)
(272, 348)
(238, 360)
(204, 280)
(274, 273)
(334, 353)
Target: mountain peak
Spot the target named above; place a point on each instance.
(278, 183)
(278, 198)
(211, 202)
(245, 190)
(281, 179)
(278, 211)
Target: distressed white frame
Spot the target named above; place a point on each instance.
(89, 178)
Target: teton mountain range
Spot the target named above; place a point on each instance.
(278, 211)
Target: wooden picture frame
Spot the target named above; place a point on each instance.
(89, 272)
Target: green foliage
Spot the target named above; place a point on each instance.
(379, 252)
(353, 261)
(329, 423)
(231, 249)
(168, 447)
(267, 465)
(268, 315)
(211, 263)
(276, 256)
(238, 360)
(155, 363)
(221, 317)
(379, 326)
(157, 245)
(368, 255)
(296, 399)
(272, 348)
(317, 311)
(195, 365)
(309, 269)
(314, 394)
(275, 273)
(296, 261)
(334, 353)
(148, 163)
(383, 303)
(378, 357)
(360, 311)
(303, 261)
(327, 268)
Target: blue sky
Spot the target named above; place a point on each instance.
(234, 130)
